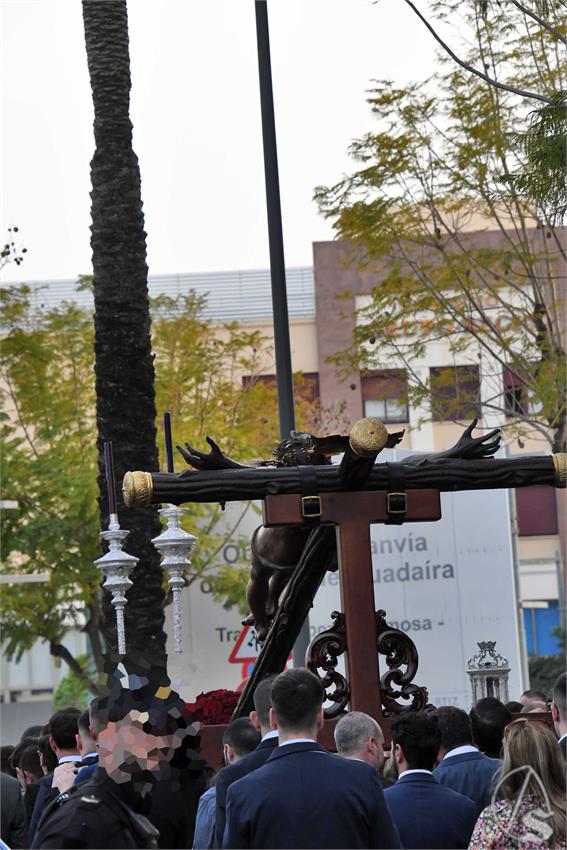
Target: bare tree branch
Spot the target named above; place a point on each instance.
(530, 13)
(475, 71)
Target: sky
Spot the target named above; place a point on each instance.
(195, 107)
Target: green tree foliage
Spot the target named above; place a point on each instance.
(457, 261)
(544, 144)
(49, 468)
(50, 459)
(72, 690)
(544, 669)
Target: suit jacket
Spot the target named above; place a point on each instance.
(88, 769)
(45, 795)
(471, 774)
(305, 797)
(204, 836)
(428, 815)
(30, 796)
(13, 826)
(235, 771)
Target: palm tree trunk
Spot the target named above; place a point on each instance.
(123, 358)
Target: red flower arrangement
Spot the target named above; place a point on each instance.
(212, 708)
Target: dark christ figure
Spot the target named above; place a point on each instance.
(276, 551)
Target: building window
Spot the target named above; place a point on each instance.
(539, 623)
(455, 392)
(536, 510)
(385, 394)
(518, 399)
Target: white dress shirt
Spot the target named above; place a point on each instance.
(272, 734)
(415, 770)
(459, 751)
(298, 741)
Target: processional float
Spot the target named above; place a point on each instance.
(336, 504)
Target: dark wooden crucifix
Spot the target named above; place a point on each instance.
(336, 504)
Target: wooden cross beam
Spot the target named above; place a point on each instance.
(229, 485)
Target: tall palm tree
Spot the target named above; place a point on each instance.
(124, 368)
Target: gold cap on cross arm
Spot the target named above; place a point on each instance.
(560, 464)
(137, 489)
(368, 436)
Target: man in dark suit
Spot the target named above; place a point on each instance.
(304, 797)
(63, 730)
(89, 727)
(559, 710)
(13, 826)
(358, 736)
(461, 766)
(260, 719)
(428, 815)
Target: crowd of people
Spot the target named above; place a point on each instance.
(127, 773)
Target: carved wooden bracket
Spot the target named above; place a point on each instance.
(395, 684)
(399, 650)
(322, 654)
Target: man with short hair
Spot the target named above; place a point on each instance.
(63, 730)
(260, 719)
(429, 816)
(533, 695)
(559, 710)
(358, 736)
(240, 738)
(489, 717)
(534, 707)
(66, 775)
(86, 739)
(461, 766)
(303, 796)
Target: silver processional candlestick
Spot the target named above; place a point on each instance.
(174, 545)
(115, 564)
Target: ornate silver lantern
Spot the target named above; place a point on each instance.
(489, 673)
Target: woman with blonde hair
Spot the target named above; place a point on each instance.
(532, 813)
